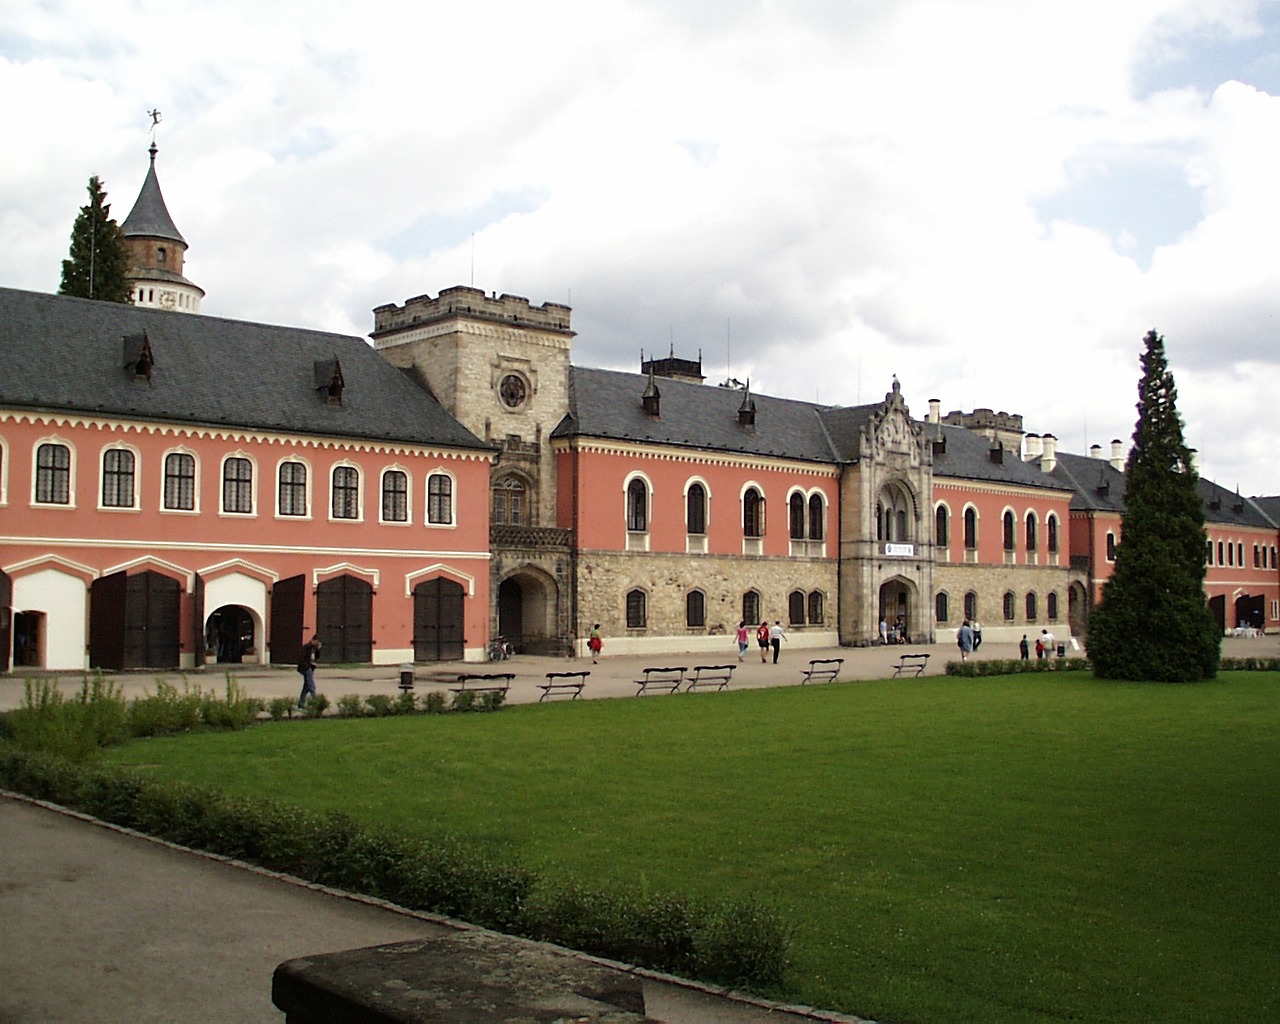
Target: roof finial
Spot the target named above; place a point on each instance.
(155, 120)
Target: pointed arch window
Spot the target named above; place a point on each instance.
(796, 607)
(637, 609)
(637, 506)
(942, 527)
(1052, 524)
(695, 609)
(970, 529)
(817, 518)
(1031, 532)
(817, 608)
(1009, 538)
(795, 515)
(696, 509)
(752, 513)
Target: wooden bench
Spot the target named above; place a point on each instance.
(669, 679)
(911, 665)
(711, 675)
(484, 682)
(563, 682)
(822, 670)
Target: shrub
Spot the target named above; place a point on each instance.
(235, 711)
(1014, 666)
(406, 703)
(433, 703)
(281, 708)
(350, 705)
(316, 706)
(464, 700)
(379, 704)
(75, 728)
(166, 711)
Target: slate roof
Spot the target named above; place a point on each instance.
(1097, 485)
(149, 217)
(1270, 506)
(966, 455)
(62, 354)
(606, 404)
(1233, 509)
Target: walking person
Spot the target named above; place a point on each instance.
(1024, 649)
(884, 631)
(977, 634)
(595, 643)
(776, 635)
(744, 639)
(307, 666)
(964, 640)
(762, 638)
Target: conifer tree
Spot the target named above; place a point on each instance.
(98, 257)
(1153, 622)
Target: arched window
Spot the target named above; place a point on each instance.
(291, 499)
(970, 606)
(795, 608)
(1051, 606)
(346, 492)
(696, 509)
(509, 502)
(817, 517)
(795, 510)
(1111, 547)
(237, 485)
(941, 526)
(1009, 610)
(1031, 531)
(637, 609)
(1031, 606)
(117, 478)
(970, 529)
(817, 608)
(1231, 554)
(940, 606)
(1208, 554)
(637, 506)
(440, 499)
(1111, 551)
(395, 496)
(901, 532)
(180, 481)
(751, 606)
(53, 474)
(1240, 553)
(1009, 539)
(695, 609)
(880, 522)
(752, 513)
(1052, 523)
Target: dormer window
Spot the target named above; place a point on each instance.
(137, 356)
(328, 378)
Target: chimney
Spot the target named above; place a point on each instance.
(1033, 447)
(1117, 454)
(1049, 461)
(1095, 451)
(935, 410)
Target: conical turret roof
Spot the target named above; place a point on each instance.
(149, 217)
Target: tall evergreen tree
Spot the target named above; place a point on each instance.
(1153, 622)
(98, 257)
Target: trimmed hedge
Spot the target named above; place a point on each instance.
(738, 944)
(1014, 666)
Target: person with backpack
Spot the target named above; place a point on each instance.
(307, 666)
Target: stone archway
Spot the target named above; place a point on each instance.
(899, 608)
(526, 611)
(1077, 609)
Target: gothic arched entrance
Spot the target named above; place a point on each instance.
(1077, 609)
(897, 607)
(526, 611)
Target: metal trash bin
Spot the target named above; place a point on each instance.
(406, 677)
(1062, 650)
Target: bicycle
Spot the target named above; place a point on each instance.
(500, 649)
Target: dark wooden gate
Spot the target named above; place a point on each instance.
(152, 612)
(437, 621)
(344, 619)
(197, 622)
(6, 620)
(106, 621)
(287, 598)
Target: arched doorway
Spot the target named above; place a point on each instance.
(1249, 611)
(526, 612)
(230, 634)
(1077, 609)
(438, 620)
(344, 618)
(897, 609)
(133, 621)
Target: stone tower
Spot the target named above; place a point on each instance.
(156, 252)
(501, 367)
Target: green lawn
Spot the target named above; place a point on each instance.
(1022, 849)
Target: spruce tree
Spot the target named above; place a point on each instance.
(1153, 622)
(99, 256)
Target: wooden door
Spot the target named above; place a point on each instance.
(6, 620)
(437, 621)
(287, 599)
(344, 619)
(151, 627)
(106, 621)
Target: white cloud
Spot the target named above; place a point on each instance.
(814, 186)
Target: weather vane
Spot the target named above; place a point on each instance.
(155, 120)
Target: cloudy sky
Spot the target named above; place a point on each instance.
(992, 199)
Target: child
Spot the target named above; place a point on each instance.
(595, 643)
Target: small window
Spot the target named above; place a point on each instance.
(117, 478)
(637, 506)
(795, 607)
(1222, 555)
(696, 509)
(1052, 524)
(940, 609)
(795, 510)
(1111, 547)
(237, 485)
(695, 609)
(752, 513)
(180, 482)
(1009, 540)
(1009, 610)
(1032, 539)
(970, 529)
(395, 496)
(1031, 607)
(292, 499)
(346, 492)
(970, 606)
(1208, 554)
(440, 499)
(817, 608)
(817, 518)
(1051, 606)
(53, 474)
(509, 502)
(751, 606)
(637, 609)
